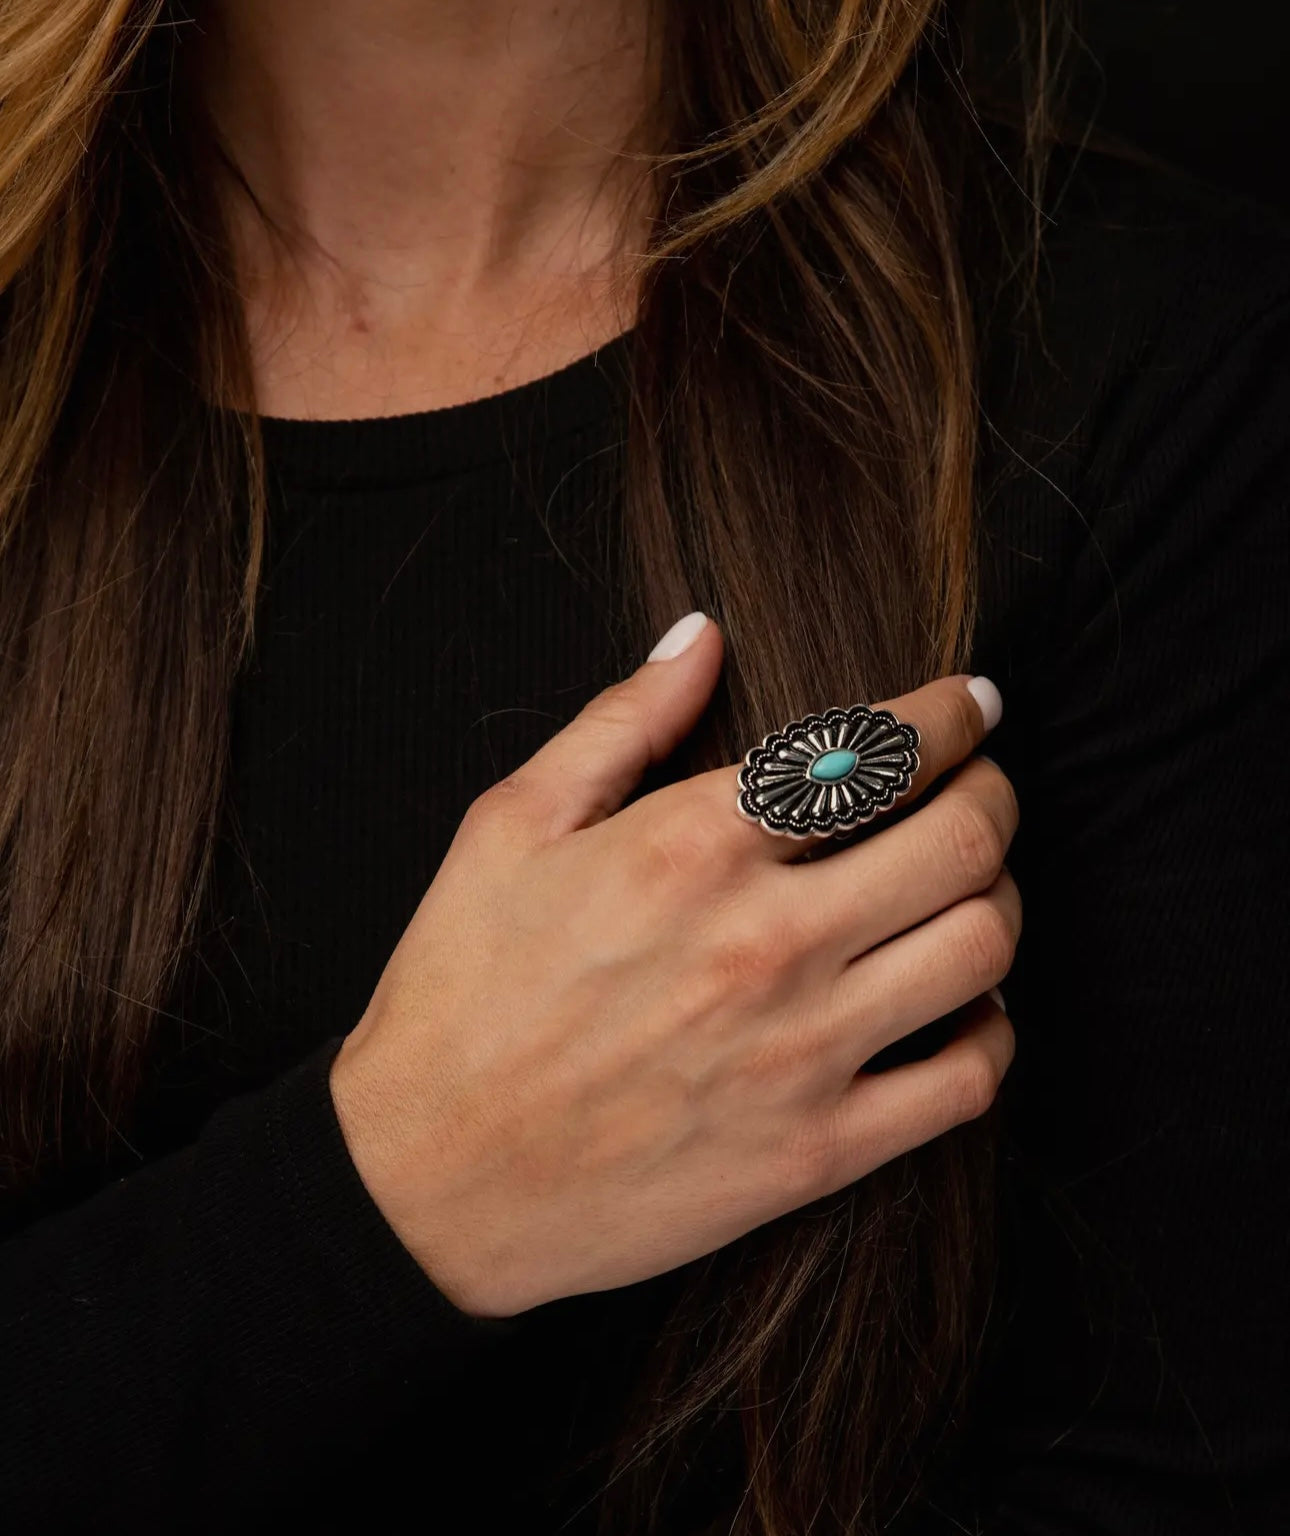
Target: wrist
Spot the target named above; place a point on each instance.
(395, 1176)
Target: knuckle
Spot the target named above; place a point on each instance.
(822, 1166)
(813, 1163)
(745, 963)
(682, 842)
(952, 719)
(973, 1085)
(513, 798)
(975, 841)
(612, 708)
(1011, 805)
(1007, 895)
(962, 724)
(987, 941)
(746, 960)
(997, 790)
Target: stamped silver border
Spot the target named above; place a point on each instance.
(776, 790)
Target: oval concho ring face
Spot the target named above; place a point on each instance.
(828, 773)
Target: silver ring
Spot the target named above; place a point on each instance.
(828, 773)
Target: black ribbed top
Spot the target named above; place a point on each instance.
(387, 451)
(228, 1335)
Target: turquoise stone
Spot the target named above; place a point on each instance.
(829, 767)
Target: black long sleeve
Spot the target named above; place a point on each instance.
(184, 1332)
(227, 1332)
(1143, 1386)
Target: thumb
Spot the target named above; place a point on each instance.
(585, 772)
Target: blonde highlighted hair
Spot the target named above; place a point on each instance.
(800, 462)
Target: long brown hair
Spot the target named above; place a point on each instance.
(801, 460)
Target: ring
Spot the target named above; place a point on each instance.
(829, 772)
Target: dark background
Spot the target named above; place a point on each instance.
(1204, 84)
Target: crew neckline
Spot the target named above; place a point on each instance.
(361, 452)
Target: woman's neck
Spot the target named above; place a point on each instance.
(447, 180)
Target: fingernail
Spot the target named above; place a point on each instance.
(680, 637)
(987, 759)
(998, 997)
(989, 699)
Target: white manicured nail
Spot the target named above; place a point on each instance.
(998, 997)
(990, 700)
(681, 635)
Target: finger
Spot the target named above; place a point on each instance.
(921, 975)
(951, 849)
(585, 771)
(950, 722)
(884, 1114)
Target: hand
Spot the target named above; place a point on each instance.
(615, 1038)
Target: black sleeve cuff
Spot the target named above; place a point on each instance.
(372, 1272)
(323, 1332)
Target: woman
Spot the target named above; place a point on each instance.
(454, 1114)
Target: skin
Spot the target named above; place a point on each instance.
(449, 183)
(612, 1038)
